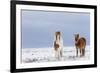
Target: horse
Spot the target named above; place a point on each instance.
(80, 43)
(58, 44)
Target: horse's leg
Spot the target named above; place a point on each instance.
(80, 52)
(55, 54)
(61, 53)
(83, 52)
(76, 51)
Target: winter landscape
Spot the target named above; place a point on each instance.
(44, 32)
(30, 55)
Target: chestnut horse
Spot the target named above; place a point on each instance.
(80, 44)
(58, 45)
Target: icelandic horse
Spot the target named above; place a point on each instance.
(58, 45)
(80, 44)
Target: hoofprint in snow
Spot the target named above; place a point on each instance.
(30, 55)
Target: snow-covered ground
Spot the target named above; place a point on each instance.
(30, 55)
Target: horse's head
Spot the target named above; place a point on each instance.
(76, 37)
(58, 34)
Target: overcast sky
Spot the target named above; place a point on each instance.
(38, 27)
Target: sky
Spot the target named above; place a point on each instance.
(38, 27)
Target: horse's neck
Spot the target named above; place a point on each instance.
(57, 41)
(76, 42)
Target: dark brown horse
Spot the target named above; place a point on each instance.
(80, 43)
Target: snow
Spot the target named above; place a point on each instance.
(30, 55)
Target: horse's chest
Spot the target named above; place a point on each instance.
(77, 43)
(56, 45)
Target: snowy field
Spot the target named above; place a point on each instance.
(30, 55)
